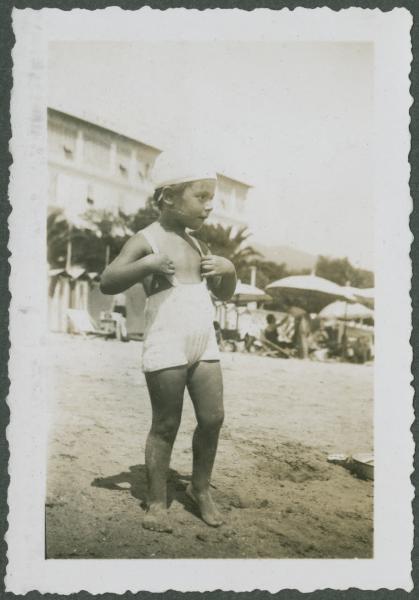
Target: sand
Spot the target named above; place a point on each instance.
(279, 495)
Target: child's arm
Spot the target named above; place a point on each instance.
(132, 265)
(220, 274)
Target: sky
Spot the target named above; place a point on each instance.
(293, 120)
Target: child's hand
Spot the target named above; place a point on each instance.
(212, 265)
(159, 263)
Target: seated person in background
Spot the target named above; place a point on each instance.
(119, 304)
(270, 331)
(320, 338)
(119, 313)
(218, 334)
(277, 332)
(362, 349)
(248, 329)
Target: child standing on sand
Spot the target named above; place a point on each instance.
(180, 349)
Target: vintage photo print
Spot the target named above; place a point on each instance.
(210, 314)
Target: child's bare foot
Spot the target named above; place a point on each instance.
(157, 519)
(207, 507)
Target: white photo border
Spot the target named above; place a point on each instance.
(390, 568)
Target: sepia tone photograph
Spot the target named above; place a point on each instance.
(210, 312)
(211, 298)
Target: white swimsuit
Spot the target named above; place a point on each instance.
(179, 327)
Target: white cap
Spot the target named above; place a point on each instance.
(171, 169)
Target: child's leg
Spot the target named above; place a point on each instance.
(166, 389)
(205, 387)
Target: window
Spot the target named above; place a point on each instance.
(223, 201)
(90, 194)
(68, 152)
(96, 151)
(240, 204)
(61, 140)
(143, 169)
(123, 154)
(223, 196)
(123, 170)
(142, 164)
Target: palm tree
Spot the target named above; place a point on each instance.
(143, 217)
(58, 237)
(266, 272)
(98, 236)
(230, 242)
(90, 242)
(111, 230)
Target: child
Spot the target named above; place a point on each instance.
(180, 348)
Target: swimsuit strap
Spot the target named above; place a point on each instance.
(198, 247)
(196, 244)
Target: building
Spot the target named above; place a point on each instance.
(92, 166)
(230, 202)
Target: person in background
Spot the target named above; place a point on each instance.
(320, 337)
(218, 334)
(270, 331)
(302, 335)
(119, 314)
(248, 329)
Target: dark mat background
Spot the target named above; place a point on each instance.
(6, 44)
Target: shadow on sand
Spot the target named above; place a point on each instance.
(135, 480)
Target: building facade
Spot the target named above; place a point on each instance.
(230, 202)
(91, 166)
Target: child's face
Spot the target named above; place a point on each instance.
(195, 203)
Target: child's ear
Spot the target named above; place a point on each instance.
(167, 195)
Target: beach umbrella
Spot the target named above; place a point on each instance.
(363, 295)
(55, 272)
(343, 310)
(75, 272)
(245, 292)
(309, 292)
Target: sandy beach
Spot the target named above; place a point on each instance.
(279, 495)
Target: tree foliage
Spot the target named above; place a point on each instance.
(58, 230)
(96, 237)
(99, 235)
(230, 242)
(341, 271)
(266, 272)
(143, 217)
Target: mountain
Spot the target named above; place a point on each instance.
(293, 258)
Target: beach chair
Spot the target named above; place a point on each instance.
(271, 349)
(82, 323)
(114, 323)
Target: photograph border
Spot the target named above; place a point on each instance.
(7, 42)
